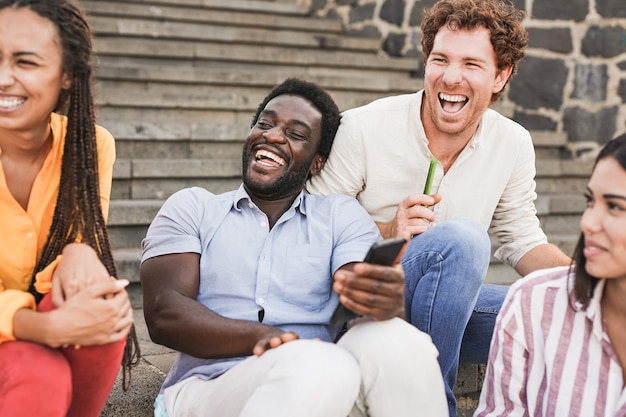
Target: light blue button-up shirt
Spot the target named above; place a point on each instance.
(245, 267)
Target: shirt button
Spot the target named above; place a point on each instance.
(250, 205)
(261, 300)
(263, 224)
(29, 235)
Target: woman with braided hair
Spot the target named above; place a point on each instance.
(65, 320)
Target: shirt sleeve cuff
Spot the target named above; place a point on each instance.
(43, 279)
(11, 301)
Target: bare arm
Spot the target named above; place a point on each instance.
(543, 256)
(98, 314)
(79, 268)
(175, 319)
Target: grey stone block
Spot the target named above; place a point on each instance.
(534, 121)
(561, 185)
(392, 11)
(621, 90)
(126, 236)
(561, 223)
(186, 168)
(583, 125)
(567, 204)
(539, 83)
(163, 188)
(280, 18)
(362, 12)
(590, 83)
(606, 42)
(561, 9)
(611, 8)
(133, 212)
(122, 168)
(128, 262)
(501, 274)
(552, 39)
(546, 138)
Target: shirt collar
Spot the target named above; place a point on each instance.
(241, 196)
(594, 311)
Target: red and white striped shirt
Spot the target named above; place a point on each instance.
(548, 359)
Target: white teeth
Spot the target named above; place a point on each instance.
(270, 155)
(9, 103)
(454, 99)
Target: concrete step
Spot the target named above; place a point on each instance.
(142, 130)
(384, 83)
(128, 261)
(163, 139)
(132, 212)
(565, 204)
(205, 165)
(128, 187)
(205, 160)
(159, 178)
(219, 33)
(149, 96)
(149, 188)
(295, 7)
(561, 223)
(275, 15)
(559, 186)
(297, 55)
(564, 168)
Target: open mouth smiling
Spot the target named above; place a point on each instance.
(452, 103)
(8, 103)
(268, 158)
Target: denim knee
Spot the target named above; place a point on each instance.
(467, 236)
(461, 241)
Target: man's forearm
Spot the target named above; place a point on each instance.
(547, 255)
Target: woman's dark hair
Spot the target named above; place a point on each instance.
(584, 283)
(503, 21)
(78, 213)
(319, 98)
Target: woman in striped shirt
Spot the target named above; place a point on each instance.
(559, 346)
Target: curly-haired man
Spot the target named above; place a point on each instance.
(484, 178)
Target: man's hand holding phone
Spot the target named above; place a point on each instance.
(373, 288)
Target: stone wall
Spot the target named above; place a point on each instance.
(572, 79)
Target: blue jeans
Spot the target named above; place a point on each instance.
(446, 298)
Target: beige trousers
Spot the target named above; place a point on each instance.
(377, 369)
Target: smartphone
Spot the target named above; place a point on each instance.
(431, 174)
(384, 252)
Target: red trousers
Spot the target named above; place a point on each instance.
(36, 380)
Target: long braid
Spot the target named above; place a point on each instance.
(78, 211)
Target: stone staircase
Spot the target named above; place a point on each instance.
(178, 82)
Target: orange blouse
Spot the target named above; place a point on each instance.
(23, 233)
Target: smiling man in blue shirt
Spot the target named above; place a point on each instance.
(243, 285)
